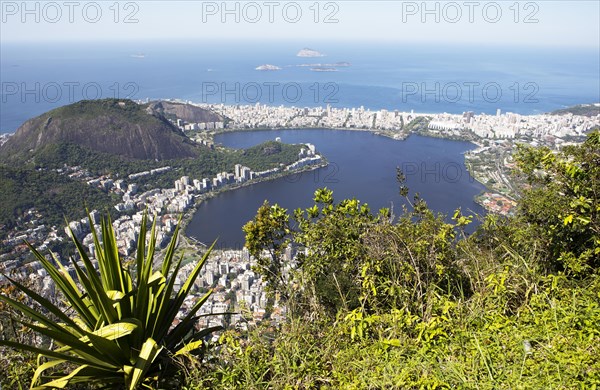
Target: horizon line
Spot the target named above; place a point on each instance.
(305, 42)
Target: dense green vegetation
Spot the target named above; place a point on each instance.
(90, 109)
(267, 155)
(418, 125)
(411, 301)
(56, 156)
(52, 194)
(209, 162)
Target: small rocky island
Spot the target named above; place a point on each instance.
(306, 52)
(267, 67)
(323, 69)
(342, 64)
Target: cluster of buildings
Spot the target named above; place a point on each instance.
(263, 116)
(511, 126)
(150, 172)
(497, 203)
(35, 232)
(236, 289)
(199, 126)
(126, 227)
(500, 126)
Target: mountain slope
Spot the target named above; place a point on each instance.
(186, 112)
(590, 110)
(119, 127)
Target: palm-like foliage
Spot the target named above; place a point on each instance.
(119, 330)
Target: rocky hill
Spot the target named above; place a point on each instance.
(590, 110)
(118, 127)
(186, 112)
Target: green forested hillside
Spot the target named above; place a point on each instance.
(54, 195)
(208, 162)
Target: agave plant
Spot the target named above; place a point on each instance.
(118, 330)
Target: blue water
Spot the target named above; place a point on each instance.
(37, 78)
(362, 166)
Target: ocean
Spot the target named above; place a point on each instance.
(425, 78)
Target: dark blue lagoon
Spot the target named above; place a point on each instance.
(362, 166)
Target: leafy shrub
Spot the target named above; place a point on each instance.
(121, 332)
(562, 207)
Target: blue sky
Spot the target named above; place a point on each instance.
(548, 23)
